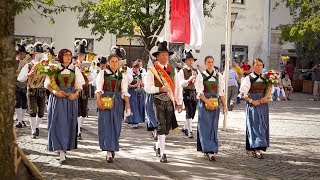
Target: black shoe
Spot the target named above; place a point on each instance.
(19, 125)
(109, 160)
(185, 131)
(190, 135)
(79, 136)
(113, 154)
(163, 158)
(63, 161)
(24, 123)
(212, 158)
(156, 150)
(34, 136)
(37, 132)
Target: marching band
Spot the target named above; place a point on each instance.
(128, 93)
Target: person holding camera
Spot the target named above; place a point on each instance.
(316, 86)
(286, 83)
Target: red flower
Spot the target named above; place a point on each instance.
(52, 67)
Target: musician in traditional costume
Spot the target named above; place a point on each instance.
(187, 76)
(210, 88)
(50, 52)
(112, 92)
(123, 67)
(137, 99)
(88, 76)
(253, 90)
(162, 81)
(21, 87)
(36, 90)
(63, 105)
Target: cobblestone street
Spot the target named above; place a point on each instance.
(294, 151)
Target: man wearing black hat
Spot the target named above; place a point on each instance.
(36, 92)
(162, 81)
(187, 77)
(21, 87)
(84, 93)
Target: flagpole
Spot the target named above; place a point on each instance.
(167, 22)
(227, 60)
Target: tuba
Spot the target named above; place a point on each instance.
(38, 79)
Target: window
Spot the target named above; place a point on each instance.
(238, 1)
(90, 45)
(238, 52)
(32, 39)
(134, 48)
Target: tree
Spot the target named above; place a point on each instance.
(116, 17)
(305, 29)
(8, 10)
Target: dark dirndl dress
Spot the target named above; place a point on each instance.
(109, 123)
(207, 134)
(62, 122)
(150, 116)
(137, 106)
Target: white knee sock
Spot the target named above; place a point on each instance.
(190, 125)
(18, 112)
(109, 154)
(162, 141)
(33, 124)
(82, 120)
(23, 113)
(62, 155)
(158, 143)
(79, 123)
(186, 124)
(38, 122)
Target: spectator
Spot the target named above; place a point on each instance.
(277, 89)
(286, 83)
(246, 68)
(239, 72)
(289, 69)
(232, 89)
(316, 86)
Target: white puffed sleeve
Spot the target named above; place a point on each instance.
(23, 75)
(47, 82)
(177, 89)
(199, 85)
(100, 81)
(149, 84)
(245, 87)
(124, 88)
(221, 85)
(79, 81)
(182, 81)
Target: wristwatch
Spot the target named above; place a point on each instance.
(250, 101)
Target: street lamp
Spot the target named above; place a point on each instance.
(233, 18)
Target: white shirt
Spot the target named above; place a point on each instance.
(23, 75)
(79, 80)
(150, 88)
(199, 83)
(246, 84)
(100, 82)
(182, 81)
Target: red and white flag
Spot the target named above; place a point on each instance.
(187, 22)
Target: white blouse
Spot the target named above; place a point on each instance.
(200, 87)
(100, 82)
(79, 80)
(246, 85)
(183, 82)
(150, 88)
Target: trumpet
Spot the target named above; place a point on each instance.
(85, 66)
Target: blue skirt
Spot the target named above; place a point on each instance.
(257, 121)
(62, 122)
(150, 115)
(109, 124)
(208, 127)
(136, 106)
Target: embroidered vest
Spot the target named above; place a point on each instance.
(210, 86)
(66, 80)
(171, 73)
(187, 74)
(110, 82)
(257, 87)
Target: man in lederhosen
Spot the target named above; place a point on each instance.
(162, 81)
(36, 92)
(84, 93)
(21, 87)
(187, 77)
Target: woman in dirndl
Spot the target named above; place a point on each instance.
(253, 89)
(111, 83)
(63, 106)
(209, 84)
(136, 98)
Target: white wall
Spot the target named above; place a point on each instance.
(279, 15)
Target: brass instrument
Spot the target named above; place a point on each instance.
(38, 79)
(85, 66)
(23, 62)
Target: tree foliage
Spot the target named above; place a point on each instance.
(116, 17)
(304, 31)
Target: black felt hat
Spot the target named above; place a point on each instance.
(49, 48)
(81, 46)
(119, 51)
(102, 60)
(188, 54)
(38, 47)
(21, 47)
(162, 47)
